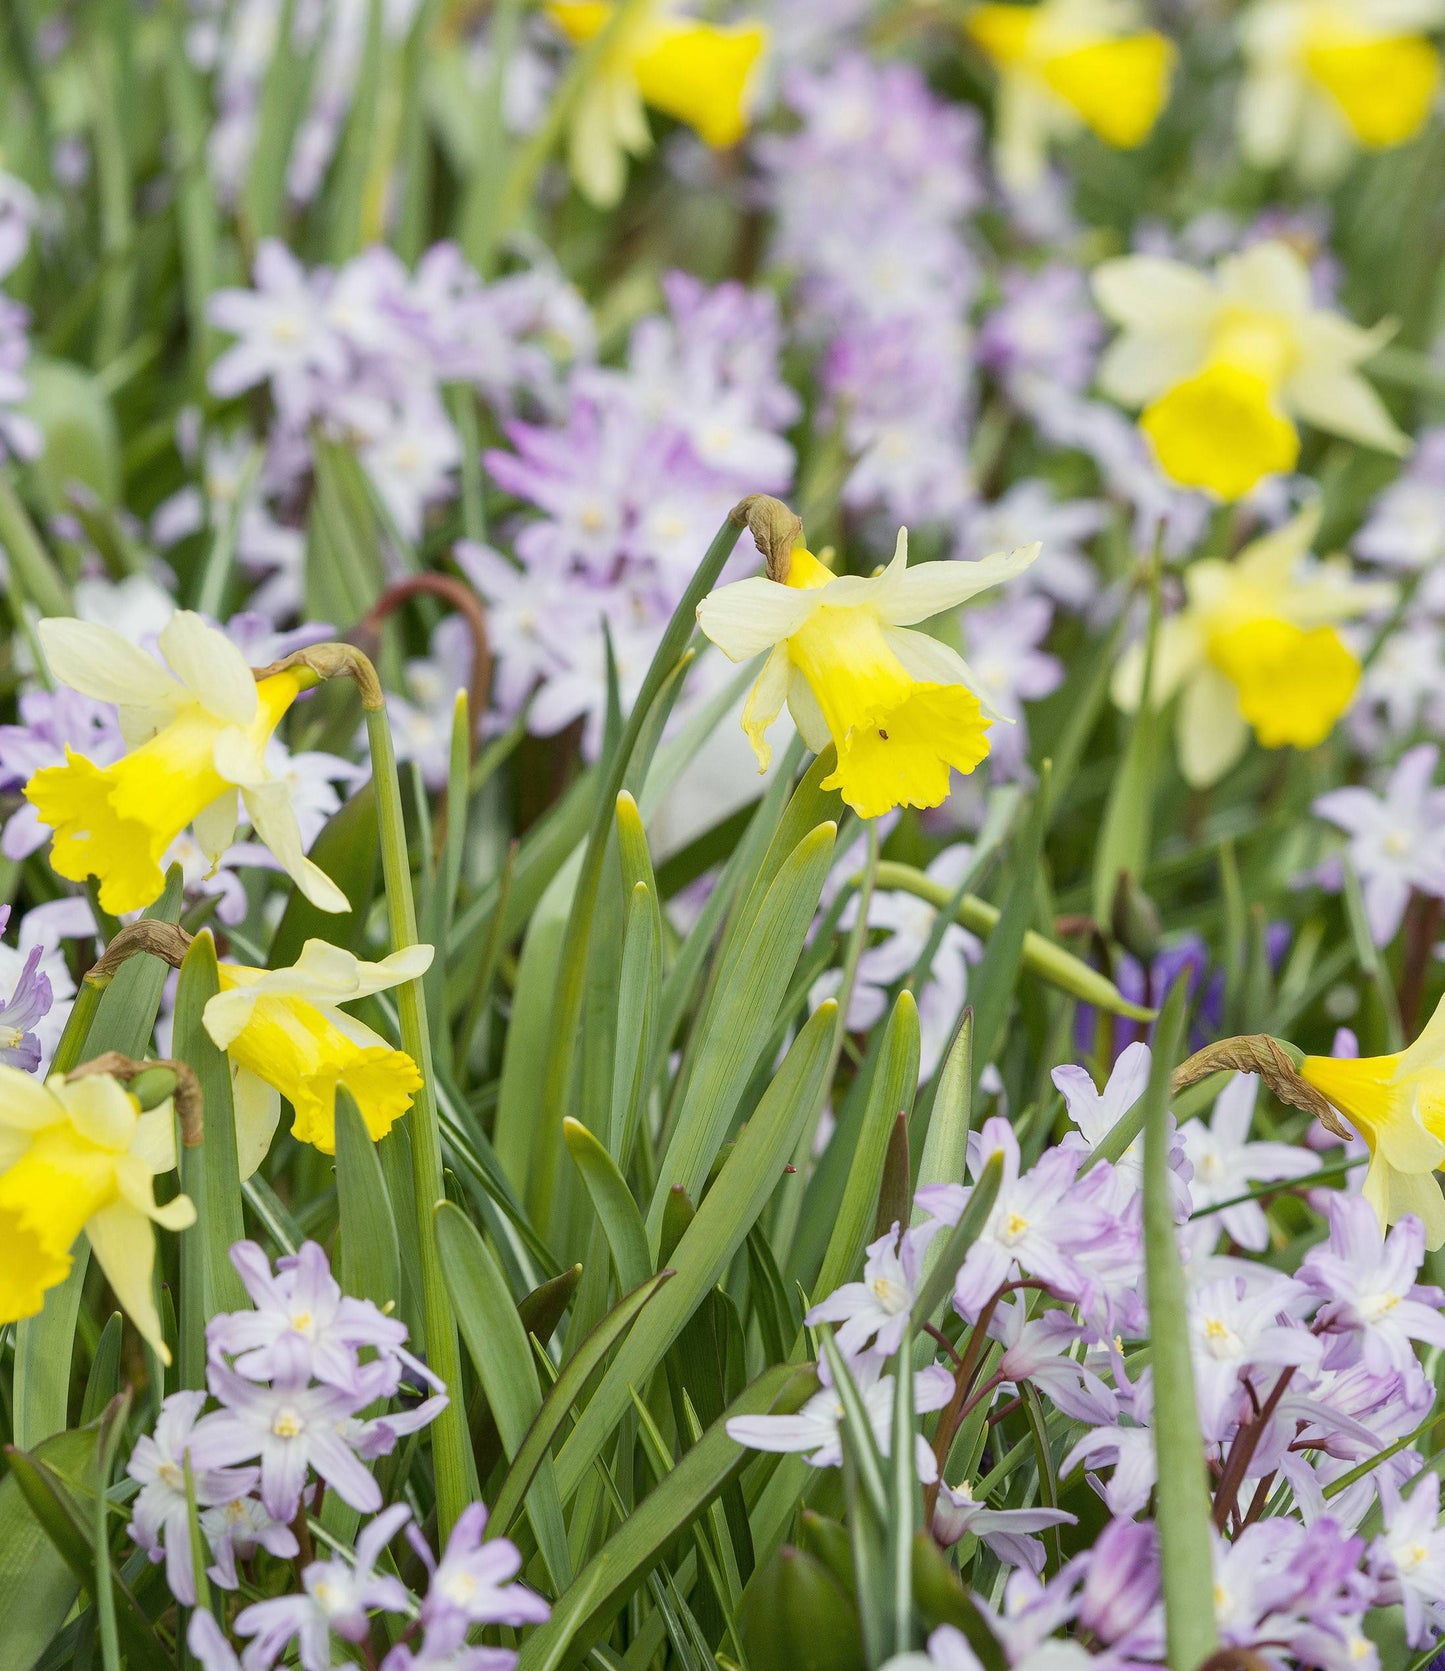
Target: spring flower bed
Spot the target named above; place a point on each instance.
(722, 850)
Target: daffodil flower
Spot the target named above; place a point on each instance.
(80, 1155)
(900, 707)
(197, 736)
(1325, 77)
(1064, 65)
(1256, 646)
(699, 72)
(1397, 1105)
(1224, 363)
(286, 1036)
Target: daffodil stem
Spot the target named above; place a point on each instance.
(452, 1461)
(1050, 962)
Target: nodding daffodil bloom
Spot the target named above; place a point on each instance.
(286, 1036)
(79, 1155)
(1224, 363)
(1323, 77)
(1256, 647)
(197, 736)
(1064, 65)
(698, 72)
(899, 707)
(1397, 1104)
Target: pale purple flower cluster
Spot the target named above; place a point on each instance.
(870, 197)
(291, 1383)
(1401, 690)
(29, 1002)
(472, 1585)
(1043, 336)
(631, 485)
(365, 353)
(1396, 839)
(1304, 1384)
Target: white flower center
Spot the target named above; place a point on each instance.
(288, 1423)
(1397, 843)
(303, 1322)
(1014, 1226)
(459, 1587)
(173, 1474)
(891, 1296)
(286, 330)
(1220, 1341)
(10, 1038)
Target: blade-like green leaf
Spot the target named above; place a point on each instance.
(1182, 1494)
(370, 1254)
(209, 1174)
(616, 1210)
(583, 1613)
(895, 1081)
(739, 1020)
(497, 1343)
(727, 1213)
(565, 1392)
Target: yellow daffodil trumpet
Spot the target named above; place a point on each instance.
(1224, 364)
(1325, 78)
(197, 731)
(700, 73)
(1397, 1105)
(1065, 65)
(80, 1155)
(901, 708)
(286, 1035)
(1256, 647)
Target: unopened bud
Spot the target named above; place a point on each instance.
(151, 1084)
(320, 662)
(775, 529)
(168, 941)
(1277, 1064)
(1134, 919)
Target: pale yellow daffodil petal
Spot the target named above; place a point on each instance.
(210, 666)
(750, 616)
(1210, 730)
(765, 702)
(257, 1108)
(124, 1246)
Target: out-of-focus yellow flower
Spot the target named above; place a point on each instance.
(1224, 363)
(197, 736)
(1064, 65)
(80, 1155)
(1323, 77)
(698, 72)
(899, 707)
(286, 1036)
(1397, 1104)
(1254, 648)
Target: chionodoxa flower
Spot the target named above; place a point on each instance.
(196, 735)
(1064, 65)
(699, 72)
(79, 1154)
(1323, 77)
(286, 1036)
(1224, 363)
(1256, 647)
(900, 707)
(1397, 1105)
